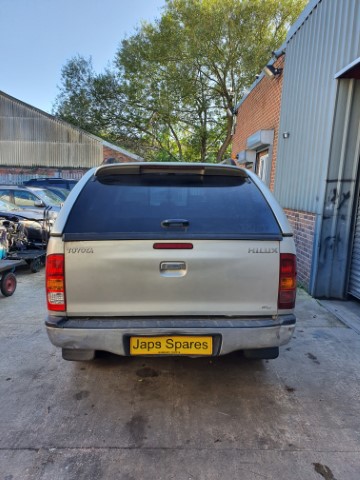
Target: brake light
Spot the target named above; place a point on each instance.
(55, 282)
(173, 246)
(287, 281)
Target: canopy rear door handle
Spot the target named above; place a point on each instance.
(175, 223)
(172, 269)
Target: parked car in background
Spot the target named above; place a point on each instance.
(35, 227)
(190, 259)
(31, 198)
(62, 193)
(46, 182)
(48, 197)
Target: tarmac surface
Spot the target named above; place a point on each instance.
(296, 417)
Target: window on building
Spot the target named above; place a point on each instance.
(262, 165)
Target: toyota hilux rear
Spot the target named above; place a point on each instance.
(170, 259)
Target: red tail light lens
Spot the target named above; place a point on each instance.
(55, 283)
(173, 246)
(287, 281)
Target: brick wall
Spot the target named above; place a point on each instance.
(16, 175)
(303, 224)
(122, 157)
(260, 111)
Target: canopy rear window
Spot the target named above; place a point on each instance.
(170, 206)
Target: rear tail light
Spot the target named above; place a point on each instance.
(173, 246)
(287, 281)
(55, 283)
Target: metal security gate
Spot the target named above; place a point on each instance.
(354, 279)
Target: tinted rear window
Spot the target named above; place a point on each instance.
(171, 206)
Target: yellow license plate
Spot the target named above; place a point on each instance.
(171, 345)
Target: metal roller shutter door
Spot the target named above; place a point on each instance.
(354, 281)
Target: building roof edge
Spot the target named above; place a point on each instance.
(292, 31)
(122, 150)
(67, 124)
(302, 19)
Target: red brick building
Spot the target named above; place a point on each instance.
(255, 146)
(123, 156)
(307, 151)
(257, 125)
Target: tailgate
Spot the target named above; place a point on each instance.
(132, 278)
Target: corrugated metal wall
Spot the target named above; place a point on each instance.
(327, 41)
(29, 138)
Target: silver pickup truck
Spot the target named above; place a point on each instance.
(170, 259)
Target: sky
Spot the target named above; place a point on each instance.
(37, 37)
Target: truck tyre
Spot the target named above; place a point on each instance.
(35, 265)
(8, 284)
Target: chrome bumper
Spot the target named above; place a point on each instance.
(112, 335)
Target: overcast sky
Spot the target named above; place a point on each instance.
(37, 37)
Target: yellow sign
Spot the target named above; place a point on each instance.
(171, 345)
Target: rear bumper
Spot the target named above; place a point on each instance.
(112, 334)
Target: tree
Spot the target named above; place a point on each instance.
(74, 103)
(175, 83)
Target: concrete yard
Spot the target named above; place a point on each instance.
(296, 417)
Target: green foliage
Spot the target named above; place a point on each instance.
(175, 83)
(74, 103)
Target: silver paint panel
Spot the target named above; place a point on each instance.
(223, 277)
